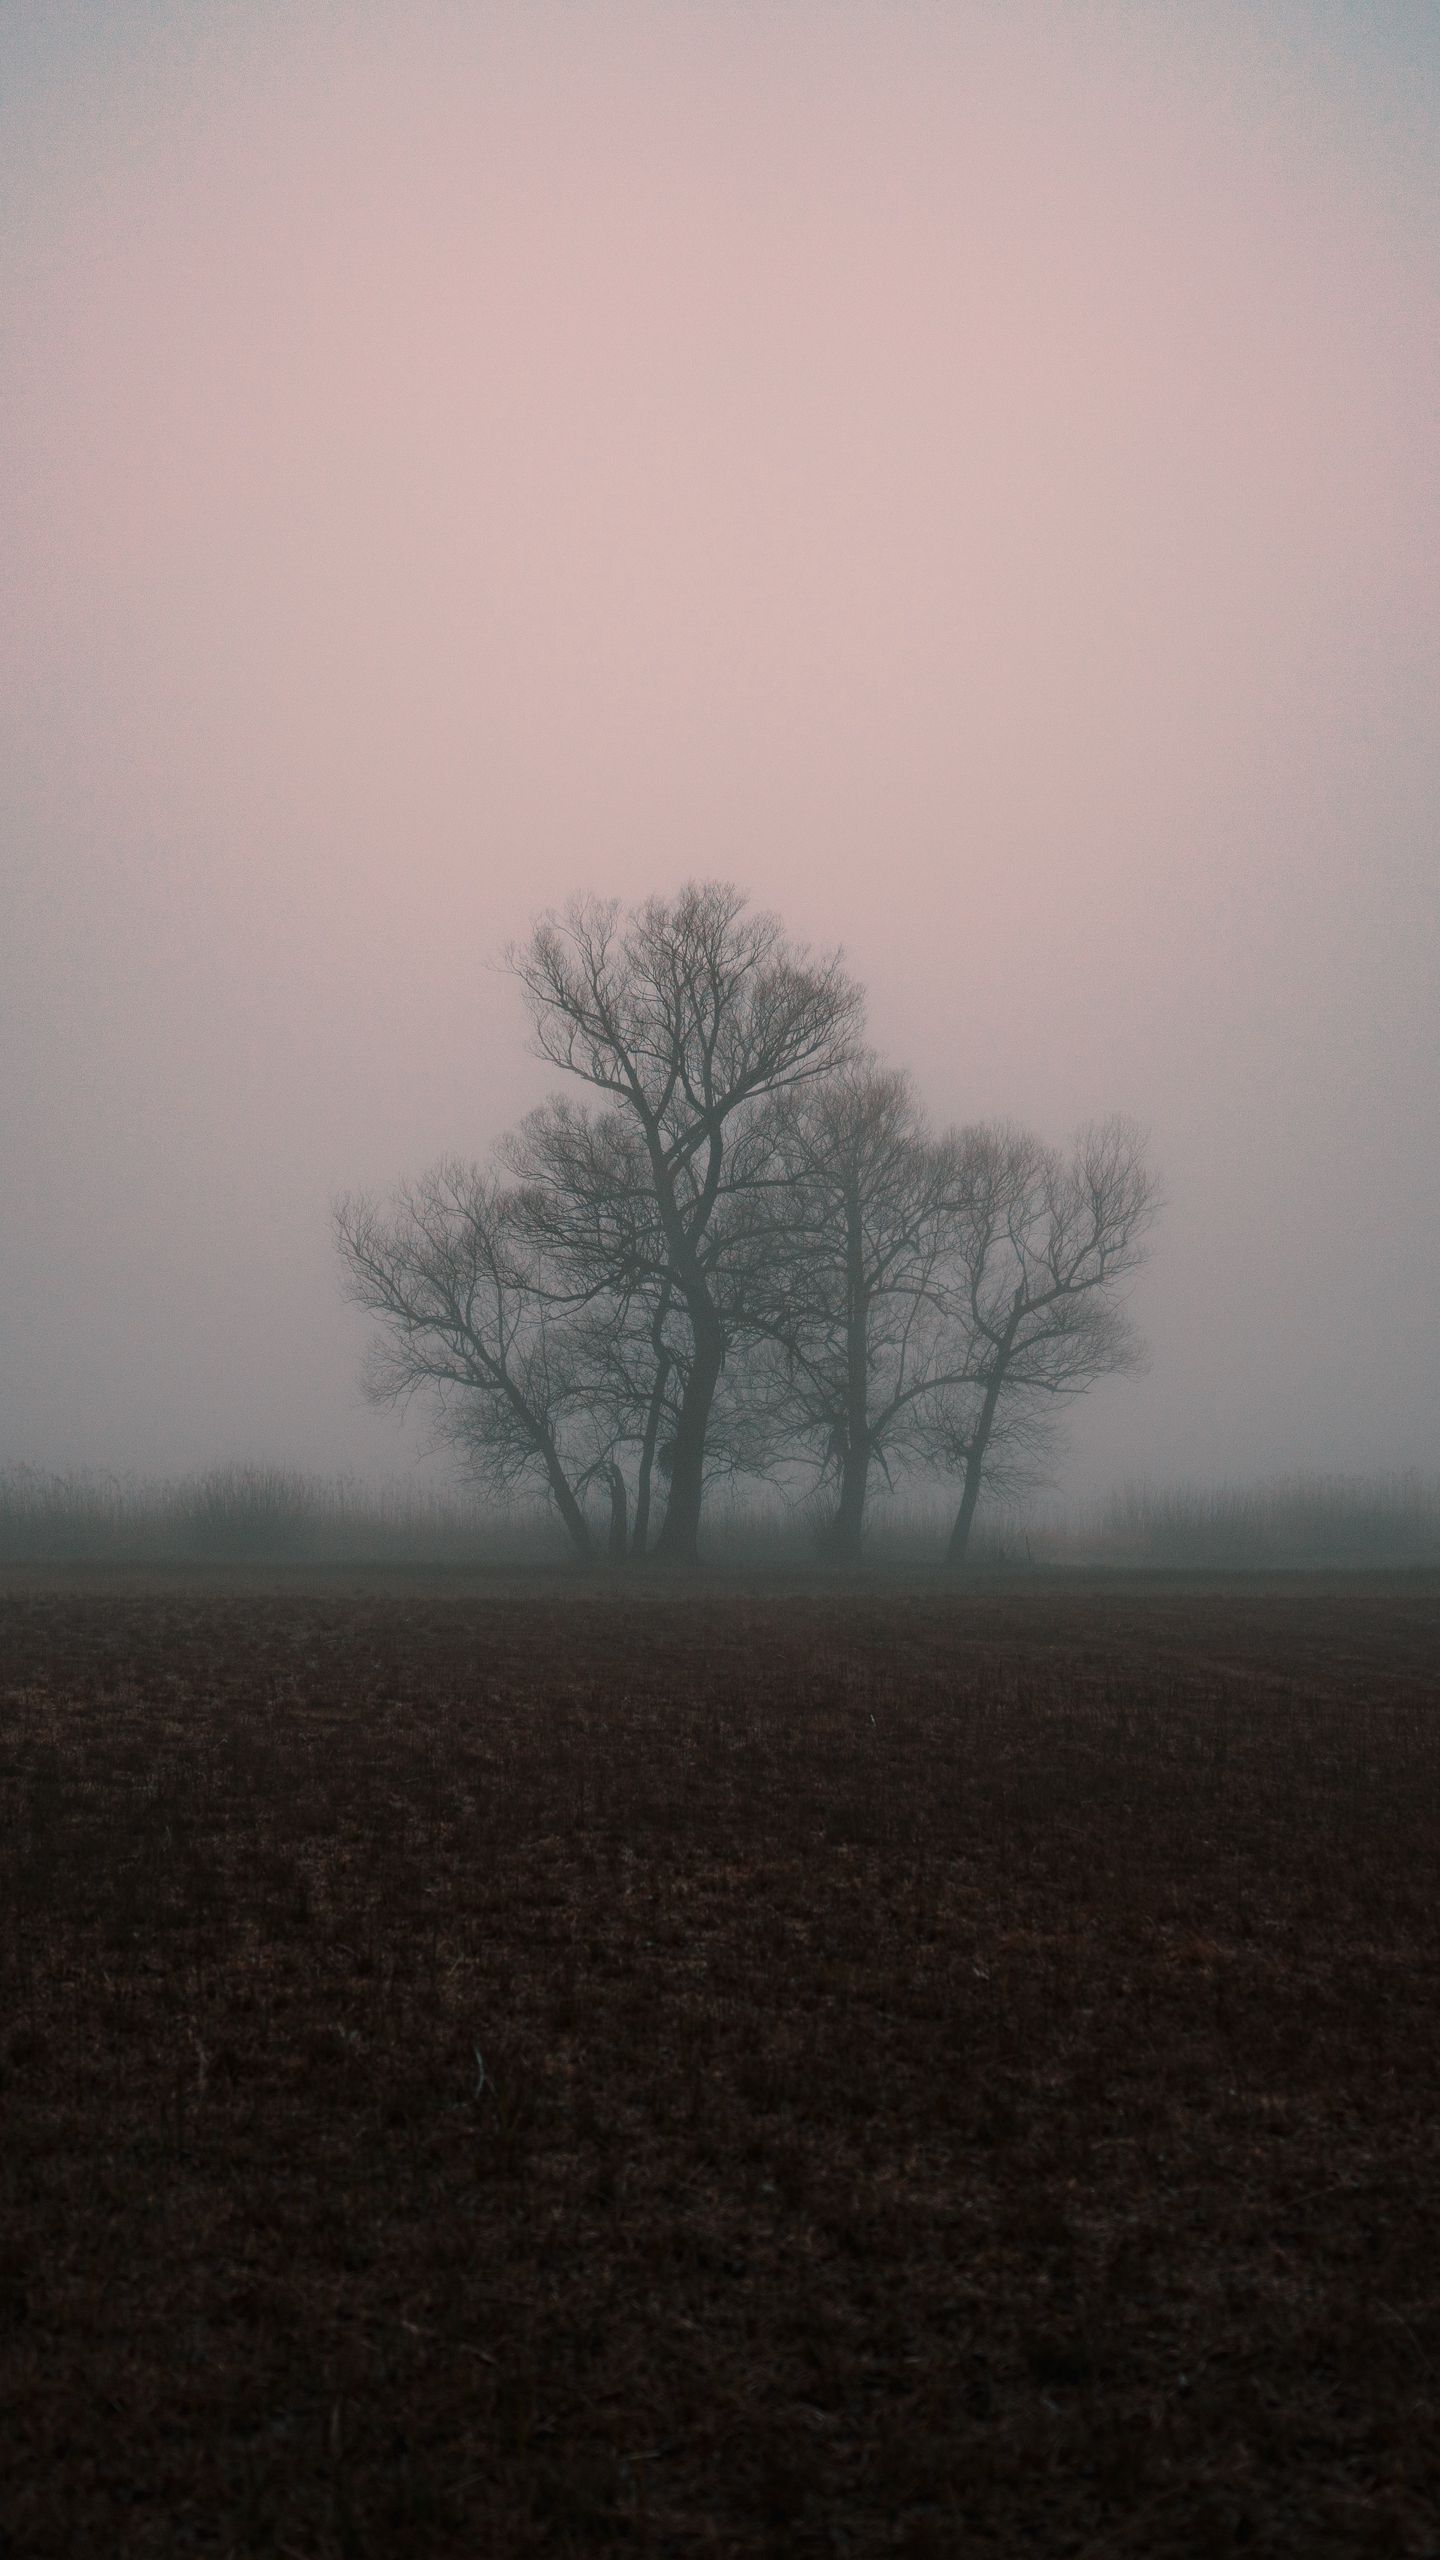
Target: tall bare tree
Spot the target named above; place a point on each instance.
(1040, 1248)
(687, 1015)
(449, 1267)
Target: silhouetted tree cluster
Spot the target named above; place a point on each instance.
(744, 1251)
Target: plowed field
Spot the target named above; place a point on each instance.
(957, 2072)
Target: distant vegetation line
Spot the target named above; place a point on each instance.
(253, 1513)
(1285, 1520)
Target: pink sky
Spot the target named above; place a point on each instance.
(967, 473)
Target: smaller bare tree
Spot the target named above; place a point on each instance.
(851, 1276)
(450, 1269)
(1041, 1247)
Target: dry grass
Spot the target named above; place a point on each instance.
(960, 2072)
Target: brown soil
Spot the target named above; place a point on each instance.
(960, 2072)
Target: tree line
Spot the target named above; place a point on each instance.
(743, 1251)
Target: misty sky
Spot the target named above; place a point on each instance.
(968, 473)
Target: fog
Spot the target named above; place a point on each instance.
(966, 473)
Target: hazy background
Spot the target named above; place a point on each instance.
(969, 474)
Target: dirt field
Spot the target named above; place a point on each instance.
(960, 2072)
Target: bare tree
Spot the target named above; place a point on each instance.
(1040, 1248)
(856, 1266)
(745, 1250)
(448, 1266)
(686, 1015)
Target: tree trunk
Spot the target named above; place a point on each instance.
(974, 1469)
(980, 1437)
(616, 1483)
(679, 1539)
(970, 1495)
(569, 1509)
(565, 1503)
(842, 1539)
(847, 1525)
(640, 1534)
